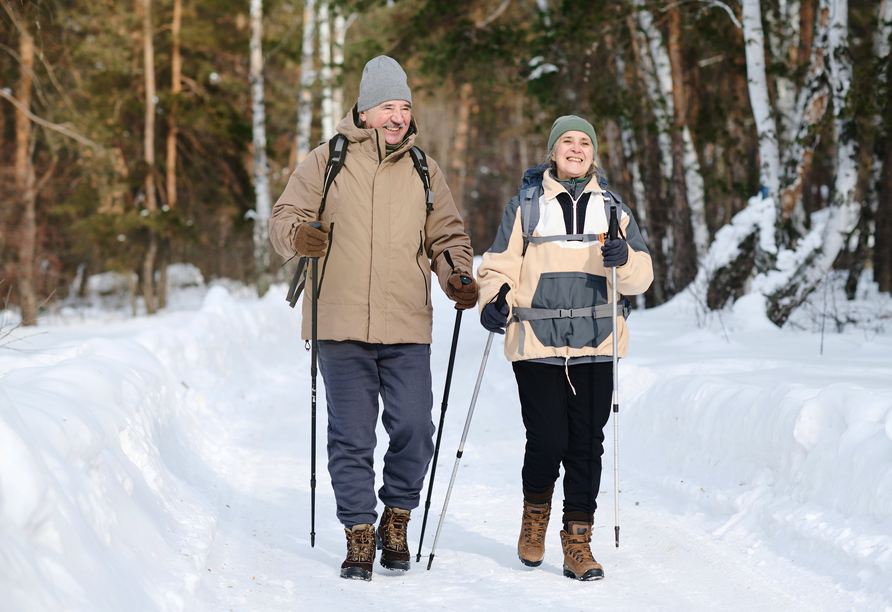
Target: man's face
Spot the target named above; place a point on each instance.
(394, 116)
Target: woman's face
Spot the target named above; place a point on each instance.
(573, 155)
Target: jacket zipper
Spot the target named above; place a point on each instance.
(575, 228)
(420, 253)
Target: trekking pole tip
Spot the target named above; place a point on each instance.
(430, 561)
(617, 535)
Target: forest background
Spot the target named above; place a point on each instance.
(750, 138)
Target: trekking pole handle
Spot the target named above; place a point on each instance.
(503, 294)
(613, 230)
(465, 280)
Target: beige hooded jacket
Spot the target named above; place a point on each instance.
(562, 274)
(377, 280)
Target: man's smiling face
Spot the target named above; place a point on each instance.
(393, 116)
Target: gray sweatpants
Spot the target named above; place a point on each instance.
(355, 374)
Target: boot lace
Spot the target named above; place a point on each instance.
(535, 524)
(393, 531)
(578, 548)
(361, 545)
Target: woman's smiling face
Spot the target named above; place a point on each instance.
(573, 155)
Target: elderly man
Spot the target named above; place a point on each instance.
(377, 242)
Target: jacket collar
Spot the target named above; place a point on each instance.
(551, 187)
(372, 142)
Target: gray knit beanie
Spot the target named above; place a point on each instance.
(382, 79)
(569, 123)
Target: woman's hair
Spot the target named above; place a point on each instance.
(594, 170)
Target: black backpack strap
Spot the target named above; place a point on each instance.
(420, 161)
(337, 152)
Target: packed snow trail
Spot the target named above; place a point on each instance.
(163, 464)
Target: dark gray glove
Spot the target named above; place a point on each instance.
(615, 252)
(493, 319)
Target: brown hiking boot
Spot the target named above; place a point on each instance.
(392, 539)
(531, 544)
(360, 553)
(578, 560)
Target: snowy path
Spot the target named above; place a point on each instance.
(755, 474)
(261, 559)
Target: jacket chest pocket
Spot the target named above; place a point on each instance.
(569, 290)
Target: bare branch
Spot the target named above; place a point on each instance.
(482, 24)
(709, 4)
(14, 17)
(47, 124)
(38, 87)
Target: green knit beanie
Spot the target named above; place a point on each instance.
(569, 123)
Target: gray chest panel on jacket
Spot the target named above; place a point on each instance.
(570, 290)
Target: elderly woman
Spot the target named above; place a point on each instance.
(552, 251)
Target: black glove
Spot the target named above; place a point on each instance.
(493, 319)
(615, 252)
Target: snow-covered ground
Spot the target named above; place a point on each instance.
(163, 463)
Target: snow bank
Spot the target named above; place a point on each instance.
(103, 503)
(775, 441)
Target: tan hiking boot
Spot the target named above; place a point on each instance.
(360, 552)
(392, 539)
(578, 560)
(531, 543)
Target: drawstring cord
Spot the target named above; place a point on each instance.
(567, 372)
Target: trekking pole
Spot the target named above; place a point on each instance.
(612, 233)
(313, 355)
(500, 303)
(430, 485)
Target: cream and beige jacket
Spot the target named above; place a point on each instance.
(562, 275)
(377, 280)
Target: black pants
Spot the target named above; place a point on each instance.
(564, 428)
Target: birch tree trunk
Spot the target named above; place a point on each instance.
(148, 266)
(749, 242)
(757, 83)
(784, 44)
(655, 153)
(262, 207)
(328, 122)
(307, 78)
(804, 271)
(25, 181)
(341, 26)
(623, 149)
(660, 81)
(684, 251)
(811, 104)
(176, 86)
